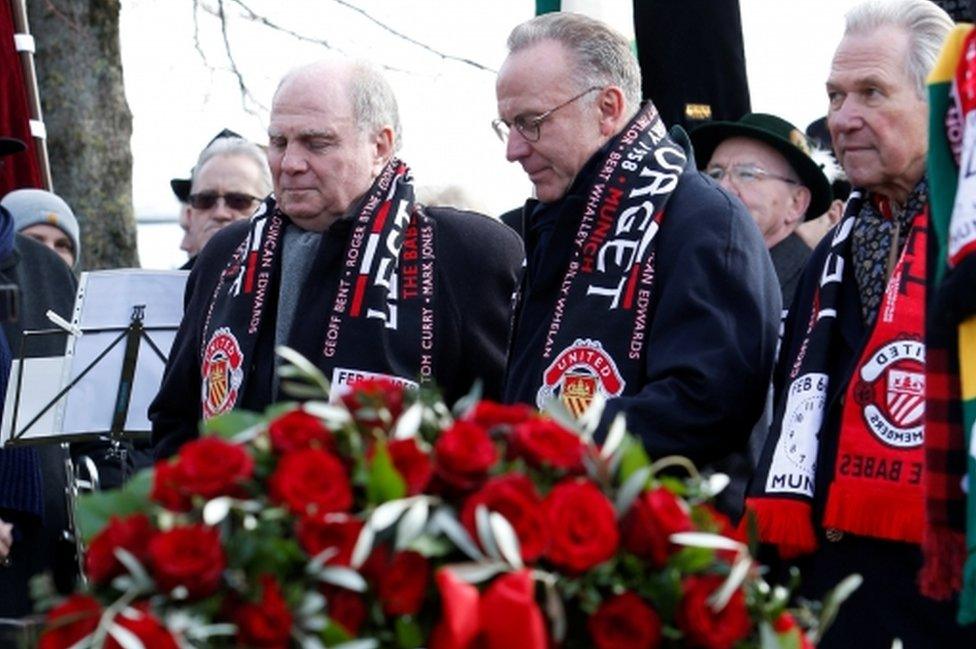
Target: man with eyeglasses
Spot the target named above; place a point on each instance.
(229, 180)
(765, 162)
(343, 265)
(645, 284)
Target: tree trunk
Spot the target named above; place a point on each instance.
(89, 126)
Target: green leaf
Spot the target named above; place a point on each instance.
(689, 560)
(633, 458)
(408, 633)
(230, 423)
(334, 634)
(431, 546)
(768, 639)
(834, 599)
(383, 481)
(94, 509)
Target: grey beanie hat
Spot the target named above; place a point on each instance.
(33, 206)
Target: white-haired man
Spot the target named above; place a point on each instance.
(844, 473)
(645, 283)
(342, 265)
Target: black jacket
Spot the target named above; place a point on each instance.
(712, 323)
(789, 259)
(478, 261)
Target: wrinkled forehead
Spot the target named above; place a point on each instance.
(312, 94)
(878, 55)
(535, 78)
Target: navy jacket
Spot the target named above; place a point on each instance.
(712, 322)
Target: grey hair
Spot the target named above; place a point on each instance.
(373, 101)
(603, 56)
(926, 23)
(237, 146)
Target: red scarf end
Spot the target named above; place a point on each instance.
(943, 556)
(785, 523)
(874, 513)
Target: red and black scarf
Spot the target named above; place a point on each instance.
(611, 272)
(877, 488)
(383, 299)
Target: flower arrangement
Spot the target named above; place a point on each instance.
(388, 520)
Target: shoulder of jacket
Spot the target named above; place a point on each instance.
(474, 230)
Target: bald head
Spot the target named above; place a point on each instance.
(373, 103)
(332, 130)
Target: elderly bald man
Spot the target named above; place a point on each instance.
(341, 264)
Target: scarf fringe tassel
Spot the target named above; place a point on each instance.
(785, 523)
(870, 513)
(943, 556)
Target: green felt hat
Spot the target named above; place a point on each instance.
(787, 139)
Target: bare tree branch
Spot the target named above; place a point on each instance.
(253, 16)
(380, 23)
(242, 86)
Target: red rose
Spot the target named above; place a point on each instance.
(464, 453)
(367, 397)
(296, 430)
(702, 626)
(489, 414)
(167, 489)
(149, 630)
(319, 533)
(582, 526)
(345, 608)
(403, 584)
(413, 464)
(544, 443)
(655, 515)
(189, 556)
(70, 621)
(311, 481)
(266, 623)
(511, 599)
(625, 622)
(514, 497)
(212, 467)
(131, 533)
(719, 523)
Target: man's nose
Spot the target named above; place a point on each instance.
(517, 147)
(293, 160)
(845, 117)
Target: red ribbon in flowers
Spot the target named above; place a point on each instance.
(471, 619)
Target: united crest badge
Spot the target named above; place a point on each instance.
(891, 393)
(578, 374)
(221, 373)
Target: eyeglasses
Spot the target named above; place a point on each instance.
(234, 200)
(528, 127)
(744, 174)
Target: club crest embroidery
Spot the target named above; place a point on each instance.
(221, 372)
(577, 374)
(891, 393)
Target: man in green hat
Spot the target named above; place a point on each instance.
(765, 161)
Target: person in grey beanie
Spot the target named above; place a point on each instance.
(45, 217)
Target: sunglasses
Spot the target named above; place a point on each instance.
(234, 200)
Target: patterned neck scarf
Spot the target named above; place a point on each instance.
(877, 226)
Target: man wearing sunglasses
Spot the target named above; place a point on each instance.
(229, 180)
(765, 162)
(645, 285)
(341, 264)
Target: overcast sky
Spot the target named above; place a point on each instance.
(181, 98)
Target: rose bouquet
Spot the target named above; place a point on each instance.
(388, 520)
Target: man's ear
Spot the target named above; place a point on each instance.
(799, 202)
(383, 145)
(836, 211)
(612, 107)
